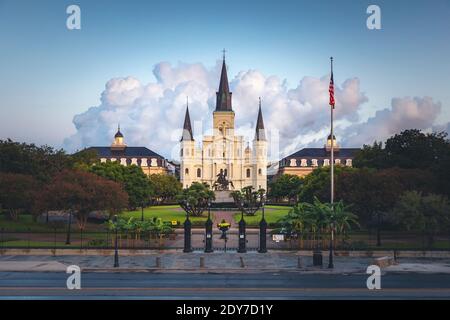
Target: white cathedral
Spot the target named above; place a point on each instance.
(224, 156)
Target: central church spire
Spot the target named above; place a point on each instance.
(223, 99)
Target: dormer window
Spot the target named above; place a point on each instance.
(304, 163)
(348, 162)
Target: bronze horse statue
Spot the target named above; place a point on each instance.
(222, 183)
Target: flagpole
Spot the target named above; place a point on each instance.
(330, 260)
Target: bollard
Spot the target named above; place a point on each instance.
(299, 262)
(242, 262)
(158, 262)
(202, 262)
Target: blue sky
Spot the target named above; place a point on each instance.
(49, 74)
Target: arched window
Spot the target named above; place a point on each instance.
(199, 173)
(259, 171)
(186, 171)
(248, 173)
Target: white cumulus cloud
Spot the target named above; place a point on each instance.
(404, 113)
(152, 114)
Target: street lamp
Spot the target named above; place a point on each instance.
(208, 227)
(187, 231)
(330, 259)
(242, 238)
(262, 229)
(116, 244)
(68, 228)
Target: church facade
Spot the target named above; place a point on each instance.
(224, 159)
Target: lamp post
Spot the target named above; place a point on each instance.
(116, 244)
(69, 228)
(262, 229)
(242, 238)
(142, 211)
(209, 233)
(330, 259)
(187, 231)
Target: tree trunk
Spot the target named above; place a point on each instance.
(14, 214)
(378, 230)
(430, 240)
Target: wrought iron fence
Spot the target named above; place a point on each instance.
(78, 239)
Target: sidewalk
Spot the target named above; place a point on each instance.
(215, 263)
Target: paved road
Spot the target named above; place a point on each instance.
(34, 285)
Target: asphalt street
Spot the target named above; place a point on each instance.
(286, 285)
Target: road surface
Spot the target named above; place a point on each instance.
(52, 285)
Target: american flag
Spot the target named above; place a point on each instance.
(331, 91)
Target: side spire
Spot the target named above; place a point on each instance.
(187, 128)
(260, 133)
(223, 96)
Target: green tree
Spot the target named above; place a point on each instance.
(134, 181)
(17, 193)
(411, 149)
(285, 186)
(428, 214)
(40, 162)
(374, 193)
(81, 193)
(166, 187)
(248, 199)
(84, 159)
(194, 200)
(316, 219)
(371, 156)
(317, 183)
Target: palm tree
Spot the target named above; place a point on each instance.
(343, 219)
(297, 222)
(338, 216)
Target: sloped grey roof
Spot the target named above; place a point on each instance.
(127, 152)
(322, 153)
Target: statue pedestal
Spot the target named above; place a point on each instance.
(223, 196)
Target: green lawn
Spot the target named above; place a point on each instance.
(272, 215)
(166, 213)
(25, 223)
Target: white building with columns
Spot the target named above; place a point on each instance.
(224, 152)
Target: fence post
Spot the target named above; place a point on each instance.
(81, 238)
(202, 262)
(29, 235)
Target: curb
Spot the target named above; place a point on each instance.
(150, 252)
